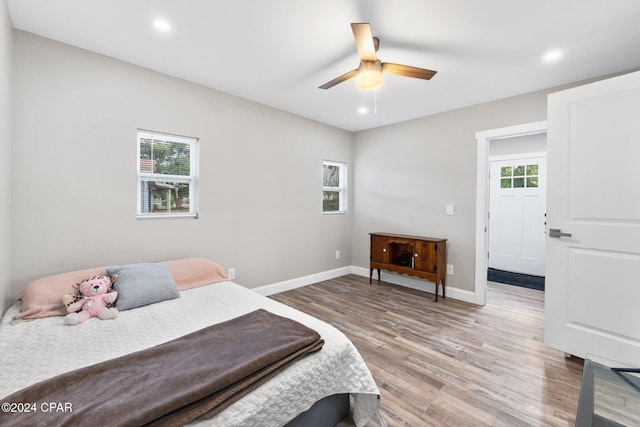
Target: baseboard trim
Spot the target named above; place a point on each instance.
(418, 284)
(396, 279)
(299, 282)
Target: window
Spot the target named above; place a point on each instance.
(334, 187)
(519, 176)
(167, 175)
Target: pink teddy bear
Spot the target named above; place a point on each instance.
(94, 303)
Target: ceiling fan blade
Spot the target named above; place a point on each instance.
(342, 78)
(407, 71)
(364, 42)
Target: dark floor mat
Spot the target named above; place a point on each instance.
(516, 279)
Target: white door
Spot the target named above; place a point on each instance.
(592, 292)
(517, 206)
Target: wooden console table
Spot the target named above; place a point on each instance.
(423, 257)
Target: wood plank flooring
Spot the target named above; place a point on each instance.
(451, 363)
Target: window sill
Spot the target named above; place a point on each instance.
(334, 213)
(165, 216)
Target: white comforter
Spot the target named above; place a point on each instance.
(33, 351)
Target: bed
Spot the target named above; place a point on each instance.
(36, 350)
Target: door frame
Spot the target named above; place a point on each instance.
(483, 138)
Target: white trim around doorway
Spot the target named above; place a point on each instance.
(483, 138)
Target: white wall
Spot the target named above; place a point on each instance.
(518, 145)
(74, 156)
(406, 174)
(75, 120)
(6, 68)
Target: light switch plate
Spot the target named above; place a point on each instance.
(450, 209)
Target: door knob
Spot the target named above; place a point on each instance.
(556, 232)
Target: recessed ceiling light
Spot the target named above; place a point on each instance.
(552, 56)
(362, 110)
(161, 25)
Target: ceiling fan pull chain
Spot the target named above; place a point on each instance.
(375, 102)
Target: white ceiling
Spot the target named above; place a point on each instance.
(278, 52)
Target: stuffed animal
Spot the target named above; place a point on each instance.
(93, 303)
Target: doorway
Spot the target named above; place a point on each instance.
(485, 141)
(517, 210)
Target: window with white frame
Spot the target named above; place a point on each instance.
(167, 175)
(334, 187)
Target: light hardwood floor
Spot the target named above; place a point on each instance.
(451, 363)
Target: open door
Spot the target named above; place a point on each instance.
(592, 295)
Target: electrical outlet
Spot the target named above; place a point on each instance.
(450, 269)
(232, 273)
(337, 254)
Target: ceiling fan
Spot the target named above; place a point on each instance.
(370, 71)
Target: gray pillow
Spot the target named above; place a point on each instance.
(143, 284)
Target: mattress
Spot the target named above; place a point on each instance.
(33, 351)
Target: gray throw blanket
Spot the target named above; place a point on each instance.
(170, 384)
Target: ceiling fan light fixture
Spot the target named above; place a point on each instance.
(370, 75)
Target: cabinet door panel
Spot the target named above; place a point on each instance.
(379, 249)
(426, 259)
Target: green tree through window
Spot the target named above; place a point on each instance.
(334, 187)
(166, 174)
